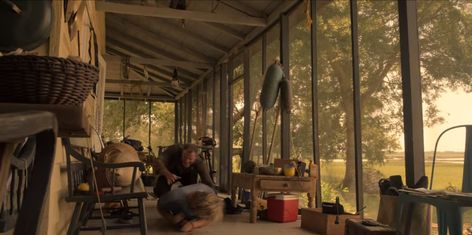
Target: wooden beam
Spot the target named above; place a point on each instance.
(134, 96)
(242, 8)
(141, 83)
(138, 10)
(170, 46)
(154, 73)
(315, 124)
(285, 6)
(169, 90)
(193, 84)
(225, 30)
(357, 106)
(164, 72)
(273, 5)
(139, 49)
(137, 82)
(161, 85)
(285, 116)
(247, 108)
(170, 62)
(112, 51)
(411, 90)
(173, 91)
(166, 26)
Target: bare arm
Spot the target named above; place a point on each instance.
(162, 166)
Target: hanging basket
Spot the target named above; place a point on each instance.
(45, 80)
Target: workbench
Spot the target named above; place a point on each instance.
(271, 183)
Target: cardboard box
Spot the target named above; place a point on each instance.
(282, 208)
(324, 224)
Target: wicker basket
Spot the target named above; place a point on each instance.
(45, 80)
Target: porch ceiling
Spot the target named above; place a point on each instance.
(152, 39)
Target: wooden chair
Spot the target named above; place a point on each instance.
(20, 168)
(80, 163)
(14, 128)
(449, 214)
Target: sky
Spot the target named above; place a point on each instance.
(456, 108)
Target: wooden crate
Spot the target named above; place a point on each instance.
(324, 224)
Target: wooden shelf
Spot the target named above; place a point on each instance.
(73, 121)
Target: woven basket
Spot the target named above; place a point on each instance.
(45, 80)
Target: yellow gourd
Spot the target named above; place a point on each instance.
(289, 171)
(84, 187)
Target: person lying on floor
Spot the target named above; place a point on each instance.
(190, 207)
(180, 163)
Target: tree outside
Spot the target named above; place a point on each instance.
(162, 129)
(237, 92)
(137, 122)
(445, 44)
(445, 66)
(112, 120)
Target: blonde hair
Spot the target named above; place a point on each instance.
(206, 205)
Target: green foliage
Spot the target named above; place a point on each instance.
(238, 111)
(113, 120)
(448, 176)
(136, 122)
(236, 164)
(328, 192)
(163, 118)
(446, 60)
(300, 77)
(445, 46)
(256, 78)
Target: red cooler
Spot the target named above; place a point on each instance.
(282, 208)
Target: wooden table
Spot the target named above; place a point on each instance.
(448, 205)
(264, 183)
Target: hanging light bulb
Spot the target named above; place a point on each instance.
(175, 81)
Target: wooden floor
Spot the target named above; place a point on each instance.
(231, 225)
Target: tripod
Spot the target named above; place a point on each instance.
(205, 155)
